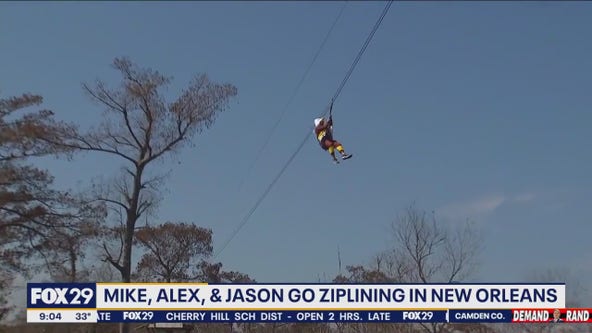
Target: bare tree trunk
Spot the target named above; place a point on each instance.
(73, 258)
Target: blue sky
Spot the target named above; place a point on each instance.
(475, 110)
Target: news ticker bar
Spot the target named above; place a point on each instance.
(281, 316)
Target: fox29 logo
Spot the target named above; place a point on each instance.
(61, 295)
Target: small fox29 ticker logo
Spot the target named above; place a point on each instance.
(61, 296)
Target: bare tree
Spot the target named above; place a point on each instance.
(20, 136)
(26, 199)
(380, 270)
(423, 251)
(174, 251)
(65, 251)
(429, 252)
(179, 252)
(213, 273)
(140, 128)
(576, 294)
(6, 279)
(432, 252)
(32, 213)
(103, 272)
(360, 274)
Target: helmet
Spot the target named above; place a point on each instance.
(318, 121)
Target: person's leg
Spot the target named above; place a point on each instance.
(339, 147)
(332, 152)
(341, 150)
(330, 146)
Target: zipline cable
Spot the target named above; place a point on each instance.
(291, 99)
(307, 137)
(352, 67)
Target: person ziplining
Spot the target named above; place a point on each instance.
(324, 133)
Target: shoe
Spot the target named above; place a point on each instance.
(346, 156)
